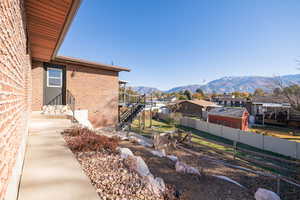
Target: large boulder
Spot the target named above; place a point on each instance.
(125, 152)
(264, 194)
(137, 164)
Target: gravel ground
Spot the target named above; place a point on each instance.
(111, 177)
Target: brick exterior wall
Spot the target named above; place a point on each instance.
(97, 91)
(37, 85)
(15, 91)
(94, 89)
(238, 123)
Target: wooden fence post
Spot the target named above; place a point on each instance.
(278, 185)
(144, 120)
(234, 149)
(140, 122)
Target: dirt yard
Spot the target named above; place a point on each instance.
(206, 187)
(114, 180)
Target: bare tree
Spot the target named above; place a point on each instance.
(292, 92)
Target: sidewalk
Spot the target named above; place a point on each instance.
(50, 169)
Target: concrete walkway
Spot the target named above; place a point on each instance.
(50, 169)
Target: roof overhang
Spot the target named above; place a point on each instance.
(80, 62)
(47, 24)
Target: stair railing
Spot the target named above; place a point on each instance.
(70, 100)
(57, 100)
(137, 102)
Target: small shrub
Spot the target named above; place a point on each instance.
(83, 139)
(76, 131)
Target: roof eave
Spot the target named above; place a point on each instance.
(71, 15)
(75, 61)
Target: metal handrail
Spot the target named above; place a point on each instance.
(57, 100)
(70, 100)
(129, 115)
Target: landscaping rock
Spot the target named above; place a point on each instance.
(159, 153)
(263, 194)
(192, 170)
(161, 183)
(125, 152)
(180, 167)
(137, 164)
(172, 157)
(184, 168)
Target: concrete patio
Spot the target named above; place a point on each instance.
(50, 169)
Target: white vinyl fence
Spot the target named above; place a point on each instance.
(273, 144)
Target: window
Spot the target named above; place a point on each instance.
(54, 77)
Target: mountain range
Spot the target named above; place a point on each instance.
(230, 84)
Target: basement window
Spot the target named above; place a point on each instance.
(54, 77)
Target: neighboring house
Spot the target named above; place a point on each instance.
(230, 101)
(192, 107)
(32, 76)
(170, 99)
(231, 117)
(275, 110)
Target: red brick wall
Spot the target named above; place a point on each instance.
(226, 121)
(15, 89)
(37, 85)
(94, 89)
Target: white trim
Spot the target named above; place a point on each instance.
(61, 77)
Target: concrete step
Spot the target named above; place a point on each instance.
(56, 109)
(41, 115)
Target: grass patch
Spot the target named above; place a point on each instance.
(157, 126)
(200, 137)
(277, 131)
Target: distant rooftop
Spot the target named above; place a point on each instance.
(228, 112)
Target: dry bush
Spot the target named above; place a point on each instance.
(83, 139)
(76, 131)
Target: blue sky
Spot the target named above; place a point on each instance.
(170, 43)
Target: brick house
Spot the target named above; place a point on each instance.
(232, 117)
(32, 75)
(194, 108)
